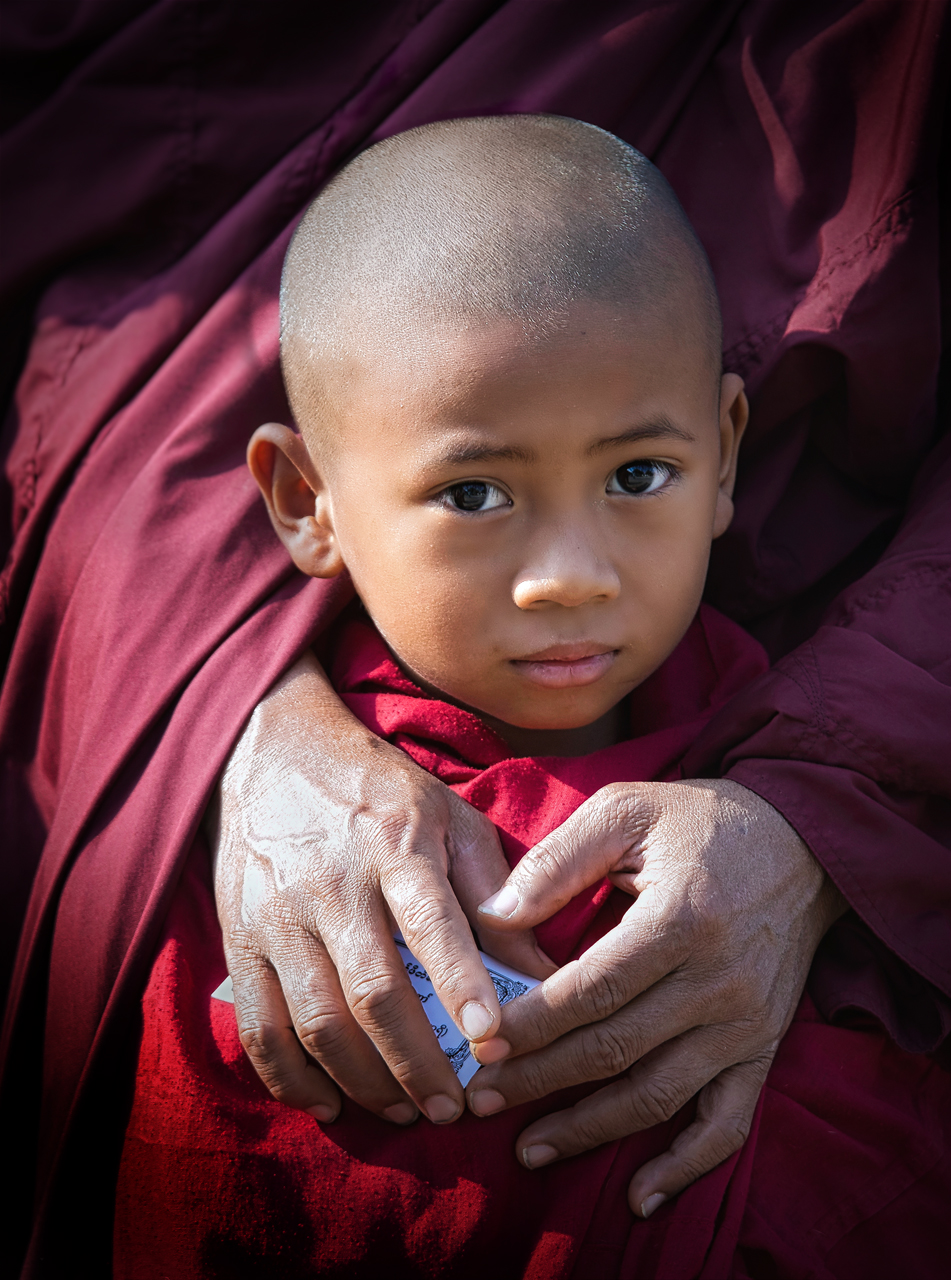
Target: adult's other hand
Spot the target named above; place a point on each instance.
(690, 994)
(326, 839)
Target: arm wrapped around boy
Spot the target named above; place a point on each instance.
(161, 611)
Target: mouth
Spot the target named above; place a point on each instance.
(564, 666)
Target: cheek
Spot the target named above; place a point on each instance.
(428, 604)
(667, 566)
(431, 628)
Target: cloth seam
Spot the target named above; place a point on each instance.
(891, 220)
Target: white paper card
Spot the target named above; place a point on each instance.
(509, 983)
(224, 992)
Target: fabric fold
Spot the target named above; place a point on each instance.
(143, 259)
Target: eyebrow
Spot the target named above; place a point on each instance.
(660, 429)
(465, 453)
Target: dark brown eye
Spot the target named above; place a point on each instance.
(475, 495)
(470, 496)
(639, 477)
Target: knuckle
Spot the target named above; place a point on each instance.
(375, 998)
(615, 797)
(324, 1033)
(609, 1052)
(731, 1132)
(548, 864)
(467, 827)
(600, 993)
(260, 1041)
(424, 916)
(723, 1138)
(696, 1164)
(335, 878)
(283, 1089)
(588, 1130)
(262, 1045)
(246, 961)
(758, 1066)
(741, 996)
(534, 1076)
(401, 829)
(658, 1099)
(624, 807)
(619, 800)
(754, 1030)
(760, 1017)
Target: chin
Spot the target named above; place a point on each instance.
(553, 721)
(560, 724)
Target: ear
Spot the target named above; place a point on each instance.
(297, 499)
(734, 415)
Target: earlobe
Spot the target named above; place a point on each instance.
(296, 498)
(734, 415)
(723, 516)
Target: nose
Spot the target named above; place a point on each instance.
(570, 574)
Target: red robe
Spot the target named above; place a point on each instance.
(156, 157)
(851, 1136)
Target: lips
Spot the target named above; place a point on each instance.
(564, 666)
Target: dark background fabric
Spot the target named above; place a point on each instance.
(155, 159)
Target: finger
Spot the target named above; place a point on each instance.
(329, 1033)
(477, 869)
(267, 1035)
(651, 1092)
(594, 1052)
(633, 958)
(603, 835)
(725, 1110)
(436, 931)
(381, 998)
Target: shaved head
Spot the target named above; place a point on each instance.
(465, 223)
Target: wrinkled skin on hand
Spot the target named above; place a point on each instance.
(326, 840)
(690, 994)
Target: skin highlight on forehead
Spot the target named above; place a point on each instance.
(517, 221)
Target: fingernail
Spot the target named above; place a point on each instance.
(441, 1108)
(322, 1112)
(489, 1051)
(401, 1113)
(476, 1020)
(485, 1102)
(534, 1157)
(651, 1203)
(501, 904)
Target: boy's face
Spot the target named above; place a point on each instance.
(528, 522)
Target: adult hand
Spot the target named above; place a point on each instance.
(690, 994)
(326, 839)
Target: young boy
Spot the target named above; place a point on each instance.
(501, 342)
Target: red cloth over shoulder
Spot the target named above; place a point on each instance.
(218, 1179)
(528, 798)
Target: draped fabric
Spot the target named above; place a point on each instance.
(156, 156)
(847, 1162)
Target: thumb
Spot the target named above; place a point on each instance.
(604, 835)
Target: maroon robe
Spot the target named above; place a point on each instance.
(851, 1135)
(155, 161)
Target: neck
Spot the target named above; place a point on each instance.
(611, 728)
